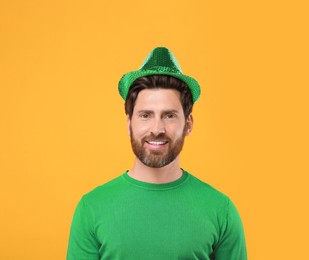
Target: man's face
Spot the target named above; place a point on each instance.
(158, 127)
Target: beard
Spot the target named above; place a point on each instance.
(154, 158)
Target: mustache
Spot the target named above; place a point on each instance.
(158, 137)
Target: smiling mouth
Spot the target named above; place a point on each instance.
(157, 142)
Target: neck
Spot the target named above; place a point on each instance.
(168, 173)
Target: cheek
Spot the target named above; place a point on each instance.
(175, 131)
(139, 130)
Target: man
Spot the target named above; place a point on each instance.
(157, 210)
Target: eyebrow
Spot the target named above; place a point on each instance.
(174, 111)
(163, 112)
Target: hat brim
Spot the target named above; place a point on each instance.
(127, 80)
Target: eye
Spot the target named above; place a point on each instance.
(170, 116)
(144, 115)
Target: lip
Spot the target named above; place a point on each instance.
(155, 144)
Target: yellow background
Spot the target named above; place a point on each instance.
(63, 128)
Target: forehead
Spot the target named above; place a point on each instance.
(162, 99)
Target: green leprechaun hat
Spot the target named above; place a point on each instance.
(160, 61)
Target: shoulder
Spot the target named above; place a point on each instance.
(105, 192)
(215, 200)
(206, 190)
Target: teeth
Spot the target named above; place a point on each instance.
(156, 143)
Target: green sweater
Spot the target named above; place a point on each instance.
(129, 219)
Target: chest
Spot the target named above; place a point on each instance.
(156, 227)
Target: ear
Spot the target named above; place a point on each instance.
(128, 124)
(189, 124)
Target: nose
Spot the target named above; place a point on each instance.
(158, 127)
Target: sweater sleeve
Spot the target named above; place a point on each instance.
(232, 245)
(82, 242)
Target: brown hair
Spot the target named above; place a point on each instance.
(159, 81)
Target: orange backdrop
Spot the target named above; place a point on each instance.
(63, 128)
